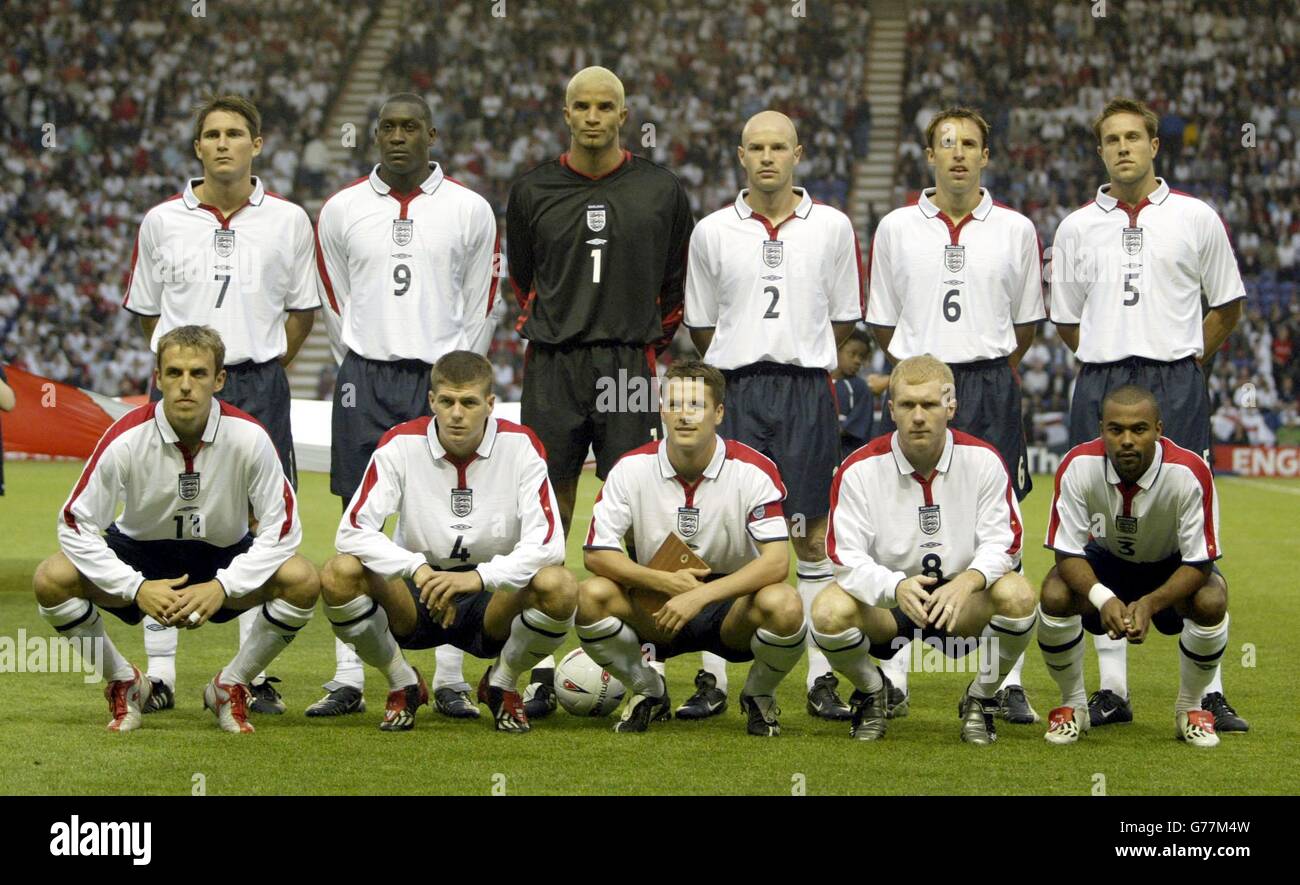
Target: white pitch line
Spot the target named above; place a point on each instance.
(1263, 484)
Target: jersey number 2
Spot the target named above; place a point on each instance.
(772, 312)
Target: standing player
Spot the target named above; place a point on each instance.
(406, 268)
(959, 276)
(476, 560)
(773, 286)
(597, 252)
(1129, 271)
(1135, 527)
(229, 254)
(724, 500)
(189, 471)
(925, 534)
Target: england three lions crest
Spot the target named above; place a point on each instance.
(403, 230)
(187, 486)
(1132, 239)
(773, 253)
(929, 517)
(596, 218)
(462, 501)
(688, 521)
(954, 258)
(223, 242)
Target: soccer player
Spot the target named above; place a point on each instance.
(1135, 527)
(405, 256)
(773, 286)
(1128, 274)
(959, 276)
(596, 242)
(476, 560)
(229, 254)
(925, 534)
(188, 471)
(725, 501)
(855, 395)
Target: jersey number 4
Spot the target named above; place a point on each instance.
(459, 552)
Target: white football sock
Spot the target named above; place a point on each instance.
(347, 668)
(774, 657)
(246, 622)
(1112, 663)
(533, 636)
(1013, 675)
(277, 625)
(616, 647)
(363, 623)
(1216, 681)
(79, 619)
(1199, 651)
(1061, 641)
(850, 654)
(813, 578)
(450, 672)
(160, 645)
(897, 667)
(1006, 638)
(716, 665)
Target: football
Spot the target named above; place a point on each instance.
(583, 688)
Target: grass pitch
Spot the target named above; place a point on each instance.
(52, 737)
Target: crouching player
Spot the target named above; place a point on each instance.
(925, 539)
(1135, 526)
(476, 560)
(724, 500)
(188, 470)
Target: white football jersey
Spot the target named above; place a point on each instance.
(1172, 509)
(888, 522)
(193, 265)
(722, 516)
(956, 291)
(771, 293)
(411, 276)
(171, 494)
(493, 511)
(1131, 277)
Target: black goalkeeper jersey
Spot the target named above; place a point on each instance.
(599, 259)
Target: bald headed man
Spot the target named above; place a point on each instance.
(773, 285)
(596, 241)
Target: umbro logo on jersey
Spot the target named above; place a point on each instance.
(1132, 240)
(954, 258)
(596, 218)
(773, 253)
(462, 527)
(597, 242)
(773, 277)
(223, 241)
(932, 544)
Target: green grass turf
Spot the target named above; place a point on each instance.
(52, 737)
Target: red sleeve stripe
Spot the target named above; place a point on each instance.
(1096, 447)
(492, 286)
(878, 446)
(414, 427)
(862, 283)
(324, 274)
(288, 511)
(738, 451)
(544, 495)
(1176, 454)
(591, 532)
(130, 273)
(504, 426)
(965, 439)
(131, 419)
(372, 477)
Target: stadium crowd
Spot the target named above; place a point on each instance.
(1227, 97)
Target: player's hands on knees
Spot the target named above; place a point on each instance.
(678, 611)
(1139, 620)
(946, 604)
(913, 597)
(1115, 618)
(154, 598)
(193, 605)
(684, 580)
(439, 592)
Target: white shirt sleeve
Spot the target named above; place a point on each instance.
(1068, 525)
(1068, 291)
(1220, 276)
(998, 529)
(302, 292)
(851, 529)
(361, 531)
(541, 539)
(144, 289)
(884, 304)
(701, 287)
(846, 277)
(479, 286)
(1198, 524)
(279, 530)
(1029, 306)
(332, 259)
(611, 516)
(88, 512)
(766, 518)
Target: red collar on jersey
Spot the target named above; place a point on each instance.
(564, 161)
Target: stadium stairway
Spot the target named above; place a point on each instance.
(873, 178)
(362, 85)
